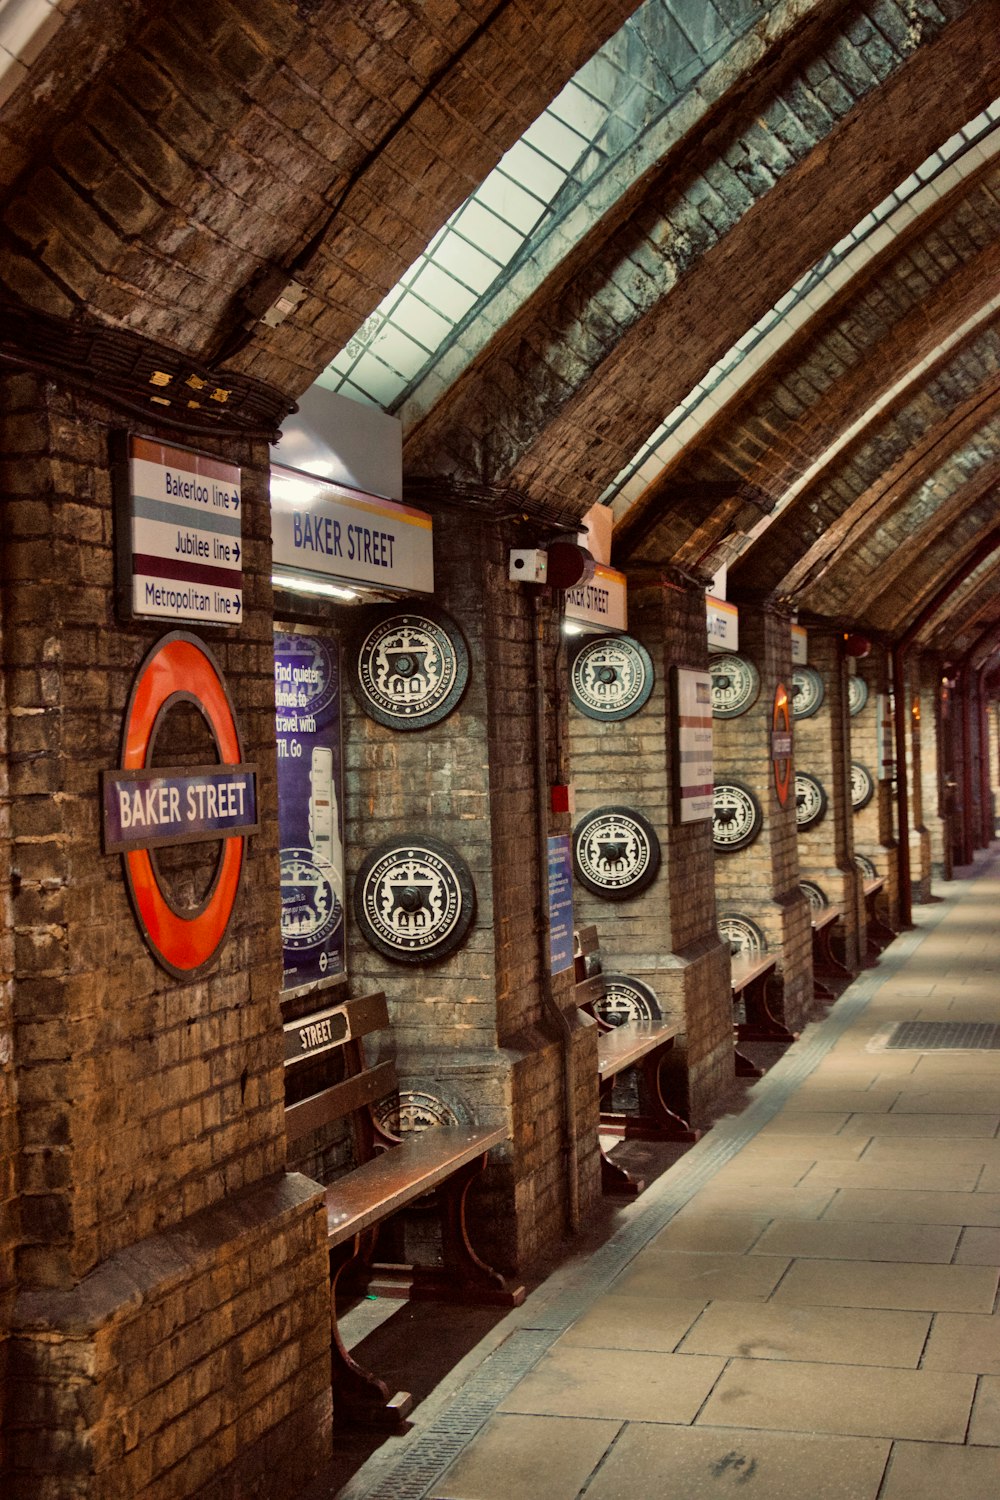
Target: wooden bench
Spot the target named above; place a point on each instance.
(878, 932)
(391, 1173)
(749, 978)
(643, 1045)
(825, 964)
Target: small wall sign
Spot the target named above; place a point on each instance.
(723, 622)
(178, 526)
(692, 737)
(147, 807)
(781, 744)
(560, 903)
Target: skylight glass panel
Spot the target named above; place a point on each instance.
(532, 208)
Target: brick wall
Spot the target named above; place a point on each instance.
(142, 1099)
(762, 881)
(822, 748)
(9, 1214)
(937, 798)
(667, 935)
(874, 825)
(472, 1026)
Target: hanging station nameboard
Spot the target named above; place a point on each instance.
(692, 724)
(602, 602)
(148, 807)
(326, 531)
(800, 646)
(178, 531)
(310, 799)
(723, 621)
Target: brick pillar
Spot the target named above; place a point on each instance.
(667, 935)
(871, 743)
(920, 838)
(9, 1210)
(826, 850)
(172, 1288)
(993, 735)
(937, 797)
(472, 1027)
(761, 881)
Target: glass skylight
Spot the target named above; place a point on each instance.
(594, 138)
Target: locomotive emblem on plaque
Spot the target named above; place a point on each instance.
(743, 936)
(616, 852)
(810, 799)
(736, 816)
(814, 894)
(807, 692)
(626, 999)
(866, 866)
(311, 909)
(857, 695)
(414, 899)
(611, 677)
(862, 786)
(413, 1110)
(411, 669)
(735, 686)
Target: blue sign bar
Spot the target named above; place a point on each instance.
(152, 809)
(560, 903)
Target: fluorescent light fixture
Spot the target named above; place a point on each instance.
(300, 585)
(571, 627)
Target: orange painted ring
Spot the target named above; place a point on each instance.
(180, 665)
(781, 723)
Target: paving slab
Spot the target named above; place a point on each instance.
(840, 1335)
(844, 1239)
(928, 1471)
(964, 1341)
(853, 1400)
(651, 1323)
(691, 1463)
(984, 1429)
(845, 1283)
(910, 1206)
(629, 1385)
(663, 1273)
(522, 1458)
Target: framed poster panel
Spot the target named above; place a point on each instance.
(307, 690)
(694, 781)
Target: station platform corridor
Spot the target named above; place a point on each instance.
(803, 1305)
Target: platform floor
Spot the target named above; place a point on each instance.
(805, 1305)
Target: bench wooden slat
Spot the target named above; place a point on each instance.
(872, 887)
(623, 1046)
(377, 1188)
(590, 990)
(743, 971)
(339, 1100)
(823, 918)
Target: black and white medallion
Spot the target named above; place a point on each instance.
(743, 935)
(810, 799)
(807, 692)
(815, 895)
(616, 852)
(857, 695)
(410, 670)
(611, 677)
(862, 786)
(626, 999)
(736, 817)
(414, 899)
(735, 685)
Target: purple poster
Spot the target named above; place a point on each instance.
(310, 799)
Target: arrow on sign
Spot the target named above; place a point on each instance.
(236, 550)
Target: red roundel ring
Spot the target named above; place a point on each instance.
(179, 665)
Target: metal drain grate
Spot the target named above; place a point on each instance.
(953, 1036)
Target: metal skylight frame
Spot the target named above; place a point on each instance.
(538, 202)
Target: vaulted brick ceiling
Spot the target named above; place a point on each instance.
(158, 161)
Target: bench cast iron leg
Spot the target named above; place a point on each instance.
(615, 1179)
(359, 1397)
(463, 1277)
(761, 1024)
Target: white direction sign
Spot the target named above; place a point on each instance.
(185, 530)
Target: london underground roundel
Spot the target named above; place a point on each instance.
(147, 807)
